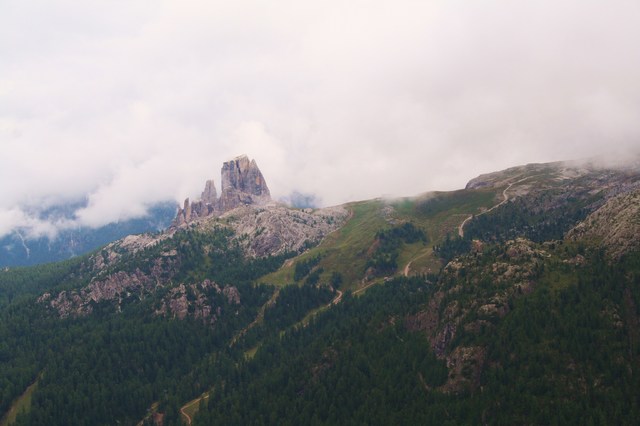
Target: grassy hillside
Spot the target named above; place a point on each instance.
(347, 250)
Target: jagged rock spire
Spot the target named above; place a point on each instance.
(242, 184)
(209, 195)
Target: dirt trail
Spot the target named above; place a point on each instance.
(505, 198)
(360, 290)
(258, 319)
(192, 403)
(337, 299)
(406, 268)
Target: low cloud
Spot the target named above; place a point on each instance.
(119, 107)
(29, 225)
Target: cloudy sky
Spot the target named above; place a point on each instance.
(129, 102)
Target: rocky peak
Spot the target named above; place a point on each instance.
(242, 184)
(209, 195)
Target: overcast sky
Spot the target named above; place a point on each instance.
(129, 102)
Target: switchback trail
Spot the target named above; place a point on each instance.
(505, 196)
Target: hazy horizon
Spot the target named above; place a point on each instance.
(126, 104)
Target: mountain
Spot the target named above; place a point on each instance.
(19, 249)
(512, 301)
(242, 184)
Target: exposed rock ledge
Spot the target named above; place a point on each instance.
(615, 225)
(275, 229)
(261, 230)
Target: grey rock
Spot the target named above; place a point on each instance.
(197, 301)
(114, 288)
(615, 225)
(242, 184)
(209, 195)
(273, 229)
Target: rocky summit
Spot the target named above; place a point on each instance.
(242, 184)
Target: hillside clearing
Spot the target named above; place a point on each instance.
(23, 403)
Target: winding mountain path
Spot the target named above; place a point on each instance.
(187, 417)
(505, 198)
(337, 299)
(407, 267)
(361, 289)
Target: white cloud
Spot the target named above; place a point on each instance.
(9, 219)
(29, 225)
(128, 103)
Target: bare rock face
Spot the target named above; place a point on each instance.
(114, 288)
(184, 214)
(273, 229)
(242, 184)
(209, 195)
(199, 301)
(615, 225)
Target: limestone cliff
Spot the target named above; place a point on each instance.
(242, 184)
(209, 195)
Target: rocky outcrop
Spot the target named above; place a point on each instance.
(209, 195)
(465, 367)
(574, 200)
(193, 210)
(615, 225)
(242, 184)
(566, 177)
(261, 227)
(504, 177)
(496, 279)
(117, 288)
(201, 301)
(273, 230)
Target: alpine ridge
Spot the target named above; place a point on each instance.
(374, 312)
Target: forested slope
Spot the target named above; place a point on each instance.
(390, 318)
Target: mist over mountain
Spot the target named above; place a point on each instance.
(20, 248)
(301, 200)
(130, 107)
(449, 235)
